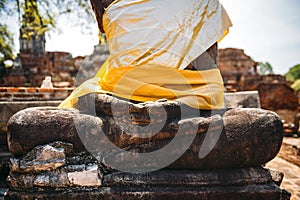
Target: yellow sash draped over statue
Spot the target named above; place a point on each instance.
(150, 43)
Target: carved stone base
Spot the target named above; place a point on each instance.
(246, 183)
(227, 139)
(214, 154)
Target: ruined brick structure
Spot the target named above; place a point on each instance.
(33, 69)
(33, 62)
(63, 68)
(33, 57)
(234, 64)
(240, 74)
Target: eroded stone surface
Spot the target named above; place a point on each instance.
(80, 182)
(85, 177)
(282, 99)
(277, 176)
(54, 179)
(40, 168)
(37, 126)
(221, 162)
(190, 178)
(222, 139)
(240, 184)
(290, 150)
(138, 113)
(41, 158)
(247, 99)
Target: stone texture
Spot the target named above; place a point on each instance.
(252, 131)
(234, 63)
(277, 176)
(41, 158)
(9, 108)
(251, 82)
(51, 179)
(287, 107)
(240, 184)
(240, 74)
(89, 66)
(206, 60)
(86, 177)
(249, 99)
(109, 106)
(272, 96)
(290, 150)
(247, 130)
(48, 166)
(291, 179)
(37, 126)
(190, 178)
(220, 163)
(262, 192)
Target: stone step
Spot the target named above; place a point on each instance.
(238, 183)
(248, 192)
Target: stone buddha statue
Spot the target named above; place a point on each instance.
(176, 104)
(152, 118)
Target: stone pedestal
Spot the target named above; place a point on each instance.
(123, 150)
(237, 184)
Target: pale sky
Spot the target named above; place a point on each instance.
(268, 30)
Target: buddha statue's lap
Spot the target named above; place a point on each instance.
(238, 137)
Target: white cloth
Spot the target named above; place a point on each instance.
(171, 33)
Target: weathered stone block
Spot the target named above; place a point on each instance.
(52, 179)
(248, 99)
(47, 166)
(41, 158)
(233, 184)
(190, 178)
(86, 177)
(9, 107)
(220, 139)
(280, 98)
(37, 126)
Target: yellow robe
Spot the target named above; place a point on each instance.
(150, 44)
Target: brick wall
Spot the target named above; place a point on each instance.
(33, 93)
(14, 99)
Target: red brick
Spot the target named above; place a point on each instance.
(22, 89)
(30, 89)
(45, 90)
(2, 89)
(12, 89)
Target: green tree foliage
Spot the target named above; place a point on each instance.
(265, 68)
(6, 44)
(293, 74)
(6, 49)
(32, 22)
(296, 85)
(49, 10)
